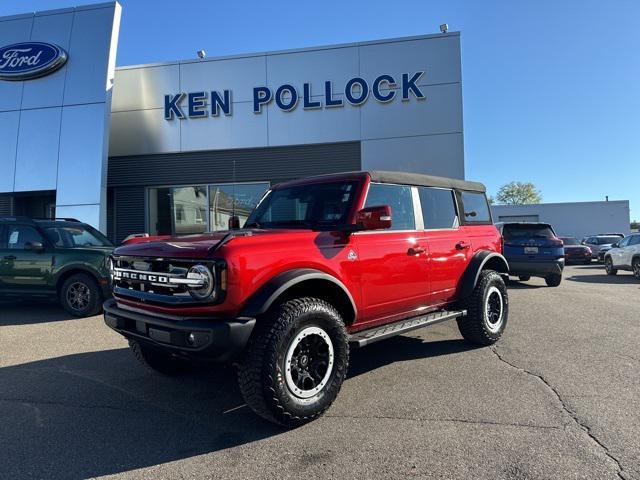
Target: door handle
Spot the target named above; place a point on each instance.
(416, 250)
(462, 245)
(10, 257)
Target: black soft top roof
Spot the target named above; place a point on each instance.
(402, 178)
(421, 180)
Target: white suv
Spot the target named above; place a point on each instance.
(624, 255)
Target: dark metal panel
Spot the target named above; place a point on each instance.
(274, 164)
(6, 205)
(129, 212)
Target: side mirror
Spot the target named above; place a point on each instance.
(234, 223)
(374, 218)
(34, 246)
(615, 245)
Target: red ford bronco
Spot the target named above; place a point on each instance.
(321, 265)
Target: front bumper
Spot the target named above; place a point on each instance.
(214, 339)
(536, 268)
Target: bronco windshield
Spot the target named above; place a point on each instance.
(305, 206)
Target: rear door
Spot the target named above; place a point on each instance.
(449, 245)
(23, 269)
(531, 242)
(393, 263)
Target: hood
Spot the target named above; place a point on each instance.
(188, 246)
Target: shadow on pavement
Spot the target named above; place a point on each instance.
(517, 284)
(622, 278)
(400, 349)
(99, 413)
(31, 312)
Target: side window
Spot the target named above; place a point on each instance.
(400, 200)
(438, 208)
(19, 235)
(3, 237)
(635, 240)
(624, 242)
(476, 208)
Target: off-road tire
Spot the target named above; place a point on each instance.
(159, 361)
(475, 327)
(553, 280)
(80, 295)
(635, 266)
(524, 278)
(261, 370)
(608, 266)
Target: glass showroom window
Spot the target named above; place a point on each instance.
(197, 209)
(239, 198)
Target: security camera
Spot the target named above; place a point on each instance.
(444, 27)
(202, 54)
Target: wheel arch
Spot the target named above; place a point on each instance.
(482, 260)
(72, 269)
(300, 283)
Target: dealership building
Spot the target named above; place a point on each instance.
(177, 147)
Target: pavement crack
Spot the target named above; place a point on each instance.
(572, 414)
(445, 420)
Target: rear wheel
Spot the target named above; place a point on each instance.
(295, 362)
(524, 278)
(553, 280)
(636, 267)
(608, 266)
(487, 310)
(81, 296)
(158, 360)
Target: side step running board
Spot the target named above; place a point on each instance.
(365, 337)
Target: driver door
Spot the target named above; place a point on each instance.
(22, 269)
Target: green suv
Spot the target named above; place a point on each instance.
(62, 259)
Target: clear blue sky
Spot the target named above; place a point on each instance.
(551, 87)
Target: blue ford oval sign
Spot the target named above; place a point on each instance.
(23, 61)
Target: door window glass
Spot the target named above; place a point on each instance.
(399, 198)
(19, 235)
(624, 242)
(476, 208)
(635, 240)
(438, 208)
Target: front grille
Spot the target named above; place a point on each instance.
(158, 280)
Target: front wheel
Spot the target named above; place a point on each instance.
(608, 266)
(487, 310)
(295, 362)
(553, 280)
(80, 295)
(636, 268)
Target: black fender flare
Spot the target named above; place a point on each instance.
(481, 260)
(267, 294)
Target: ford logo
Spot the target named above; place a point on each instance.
(23, 61)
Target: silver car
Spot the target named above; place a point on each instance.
(600, 244)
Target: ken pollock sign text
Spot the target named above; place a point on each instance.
(384, 88)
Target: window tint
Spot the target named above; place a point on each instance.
(19, 235)
(635, 240)
(624, 242)
(438, 208)
(476, 208)
(399, 198)
(75, 237)
(524, 230)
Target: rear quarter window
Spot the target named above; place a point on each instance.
(475, 208)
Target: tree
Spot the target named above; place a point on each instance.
(635, 226)
(518, 193)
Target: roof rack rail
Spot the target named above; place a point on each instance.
(22, 218)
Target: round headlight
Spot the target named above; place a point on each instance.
(206, 282)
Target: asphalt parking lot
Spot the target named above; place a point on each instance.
(557, 397)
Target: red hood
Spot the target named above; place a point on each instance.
(186, 246)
